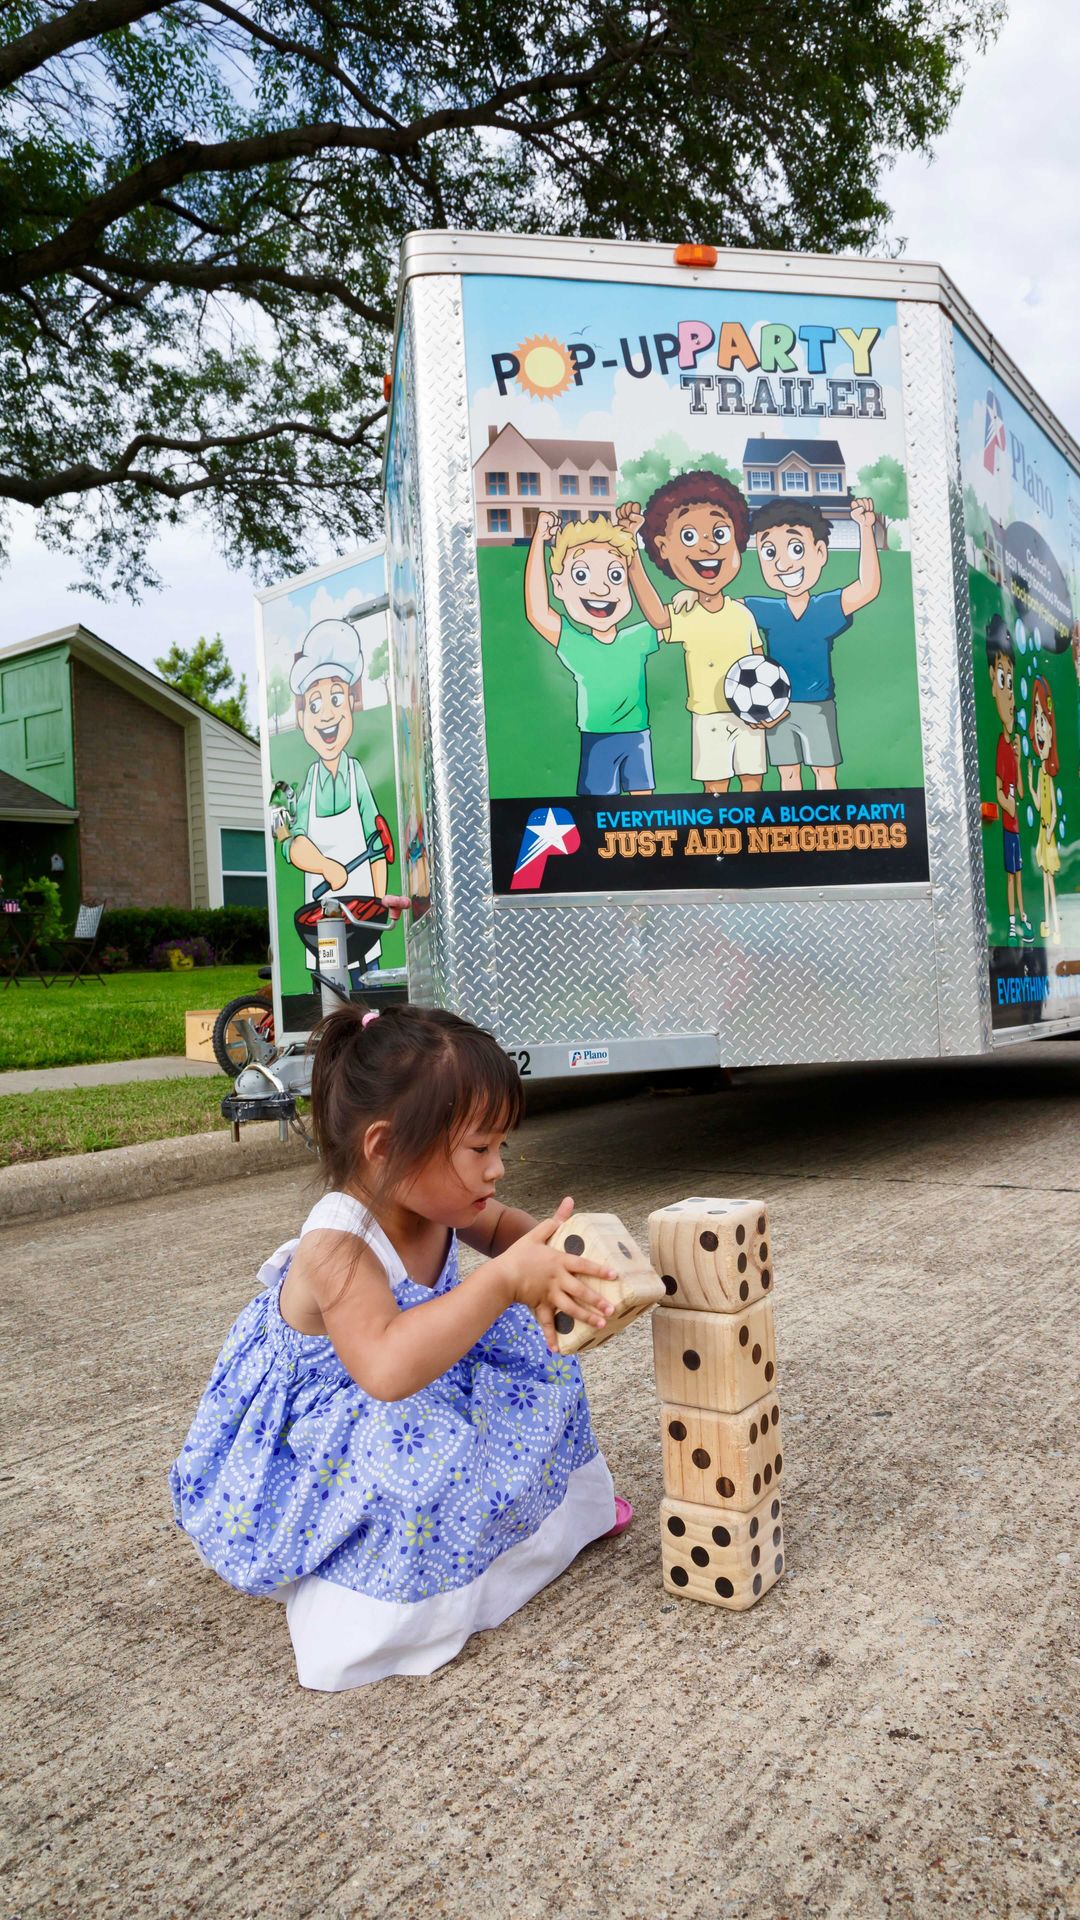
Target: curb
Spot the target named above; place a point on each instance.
(73, 1182)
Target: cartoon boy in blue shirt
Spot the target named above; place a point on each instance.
(792, 542)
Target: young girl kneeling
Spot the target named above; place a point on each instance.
(398, 1453)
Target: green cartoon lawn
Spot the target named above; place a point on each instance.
(532, 737)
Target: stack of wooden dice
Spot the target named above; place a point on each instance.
(715, 1351)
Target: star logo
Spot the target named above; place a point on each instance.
(548, 831)
(993, 433)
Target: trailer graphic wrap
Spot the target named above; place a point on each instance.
(695, 589)
(1022, 524)
(333, 812)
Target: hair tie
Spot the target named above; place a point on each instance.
(372, 1014)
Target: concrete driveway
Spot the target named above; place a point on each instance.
(887, 1733)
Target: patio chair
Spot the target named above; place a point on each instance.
(81, 946)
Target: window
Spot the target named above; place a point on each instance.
(568, 485)
(243, 868)
(598, 486)
(759, 479)
(795, 480)
(829, 482)
(498, 519)
(529, 516)
(528, 484)
(498, 483)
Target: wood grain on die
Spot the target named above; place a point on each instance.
(719, 1360)
(729, 1560)
(722, 1459)
(602, 1237)
(712, 1254)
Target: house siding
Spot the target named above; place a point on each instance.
(232, 775)
(196, 786)
(131, 791)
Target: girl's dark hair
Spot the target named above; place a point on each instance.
(427, 1072)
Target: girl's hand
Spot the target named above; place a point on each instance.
(548, 1281)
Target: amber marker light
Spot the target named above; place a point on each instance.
(689, 255)
(989, 812)
(387, 385)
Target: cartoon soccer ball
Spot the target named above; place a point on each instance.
(757, 689)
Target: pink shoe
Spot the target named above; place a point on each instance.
(624, 1513)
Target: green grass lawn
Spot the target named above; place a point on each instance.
(128, 1016)
(39, 1126)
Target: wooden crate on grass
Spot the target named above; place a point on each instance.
(199, 1033)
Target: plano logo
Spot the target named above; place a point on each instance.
(548, 830)
(589, 1056)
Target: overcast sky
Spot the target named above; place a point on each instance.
(998, 206)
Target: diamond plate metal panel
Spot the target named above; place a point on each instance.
(946, 679)
(462, 965)
(425, 987)
(829, 979)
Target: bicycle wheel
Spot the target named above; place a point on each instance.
(243, 1032)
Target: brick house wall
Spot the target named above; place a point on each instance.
(131, 792)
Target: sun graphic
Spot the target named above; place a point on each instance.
(544, 367)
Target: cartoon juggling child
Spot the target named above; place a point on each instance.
(1044, 794)
(590, 577)
(333, 835)
(999, 659)
(695, 529)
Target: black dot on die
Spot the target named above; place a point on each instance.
(753, 1433)
(725, 1487)
(679, 1577)
(744, 1336)
(574, 1243)
(700, 1458)
(744, 1290)
(777, 1536)
(564, 1323)
(761, 1223)
(671, 1285)
(766, 1280)
(756, 1354)
(676, 1526)
(775, 1509)
(724, 1588)
(677, 1430)
(753, 1529)
(741, 1263)
(768, 1475)
(625, 1251)
(721, 1536)
(779, 1461)
(763, 1251)
(691, 1360)
(769, 1369)
(740, 1235)
(757, 1483)
(757, 1583)
(699, 1556)
(709, 1240)
(778, 1563)
(765, 1422)
(755, 1556)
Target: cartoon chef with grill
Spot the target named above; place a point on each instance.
(335, 835)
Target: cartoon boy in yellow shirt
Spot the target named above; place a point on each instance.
(695, 529)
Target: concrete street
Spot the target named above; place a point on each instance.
(886, 1733)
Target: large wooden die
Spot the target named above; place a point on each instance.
(603, 1238)
(712, 1254)
(720, 1360)
(728, 1560)
(722, 1459)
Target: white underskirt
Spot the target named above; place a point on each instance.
(344, 1639)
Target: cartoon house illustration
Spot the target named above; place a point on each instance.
(515, 479)
(811, 471)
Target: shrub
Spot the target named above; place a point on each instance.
(179, 955)
(114, 959)
(238, 935)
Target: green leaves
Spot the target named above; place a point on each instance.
(200, 210)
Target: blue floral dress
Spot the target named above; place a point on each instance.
(393, 1530)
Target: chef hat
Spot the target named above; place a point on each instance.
(331, 651)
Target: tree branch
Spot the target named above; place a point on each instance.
(83, 21)
(216, 278)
